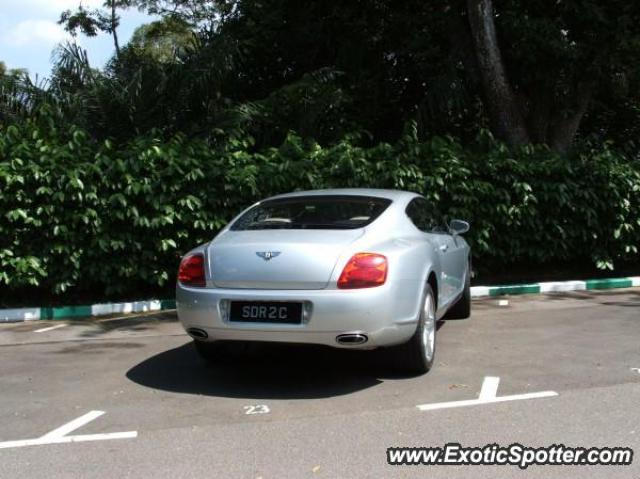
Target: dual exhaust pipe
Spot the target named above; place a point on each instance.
(347, 339)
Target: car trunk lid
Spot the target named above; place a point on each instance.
(278, 259)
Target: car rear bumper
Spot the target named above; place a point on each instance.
(387, 315)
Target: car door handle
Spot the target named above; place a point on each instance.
(444, 247)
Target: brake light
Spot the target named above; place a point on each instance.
(191, 271)
(364, 270)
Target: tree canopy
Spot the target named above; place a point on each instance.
(537, 71)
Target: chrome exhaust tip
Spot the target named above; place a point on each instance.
(197, 333)
(351, 339)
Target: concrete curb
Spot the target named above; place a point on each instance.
(555, 286)
(70, 312)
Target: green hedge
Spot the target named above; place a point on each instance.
(76, 215)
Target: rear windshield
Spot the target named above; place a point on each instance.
(313, 212)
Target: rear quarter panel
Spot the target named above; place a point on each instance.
(411, 258)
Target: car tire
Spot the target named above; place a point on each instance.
(416, 356)
(462, 308)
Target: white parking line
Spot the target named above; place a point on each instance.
(489, 388)
(66, 439)
(73, 425)
(50, 328)
(487, 396)
(59, 435)
(134, 316)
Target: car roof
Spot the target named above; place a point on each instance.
(393, 195)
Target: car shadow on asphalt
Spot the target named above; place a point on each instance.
(268, 371)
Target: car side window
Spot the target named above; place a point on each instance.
(425, 216)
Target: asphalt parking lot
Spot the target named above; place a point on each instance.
(128, 397)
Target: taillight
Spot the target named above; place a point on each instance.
(364, 270)
(191, 271)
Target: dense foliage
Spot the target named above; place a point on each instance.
(108, 175)
(81, 216)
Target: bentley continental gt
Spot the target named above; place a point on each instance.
(348, 268)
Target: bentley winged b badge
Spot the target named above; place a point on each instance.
(267, 255)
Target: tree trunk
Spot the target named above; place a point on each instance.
(502, 106)
(114, 28)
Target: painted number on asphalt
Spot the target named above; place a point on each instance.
(257, 409)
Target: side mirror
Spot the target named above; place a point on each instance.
(458, 227)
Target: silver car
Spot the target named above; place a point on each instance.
(348, 268)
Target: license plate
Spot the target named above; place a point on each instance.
(266, 312)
